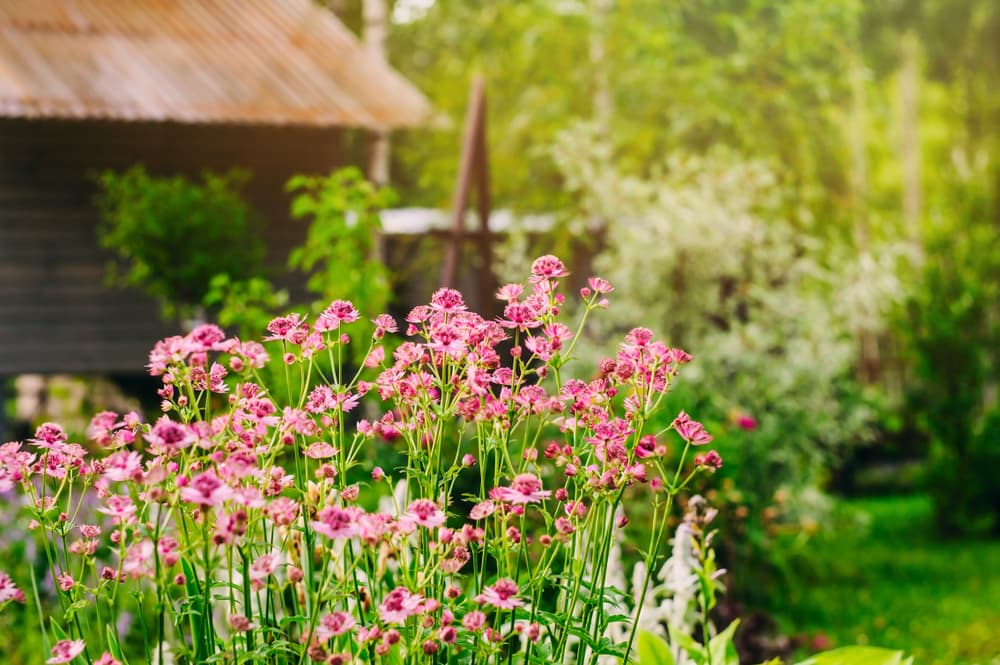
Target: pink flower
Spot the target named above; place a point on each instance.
(600, 286)
(240, 623)
(482, 510)
(501, 595)
(691, 430)
(338, 312)
(474, 621)
(334, 624)
(262, 568)
(747, 422)
(525, 488)
(510, 292)
(8, 590)
(547, 267)
(206, 490)
(519, 315)
(48, 433)
(107, 659)
(425, 513)
(289, 328)
(399, 605)
(120, 509)
(65, 651)
(65, 581)
(320, 450)
(711, 460)
(337, 522)
(168, 436)
(384, 323)
(123, 465)
(447, 300)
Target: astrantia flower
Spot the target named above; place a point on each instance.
(711, 460)
(547, 267)
(123, 465)
(120, 509)
(48, 435)
(502, 595)
(691, 430)
(337, 522)
(525, 488)
(399, 605)
(338, 312)
(447, 300)
(425, 513)
(320, 450)
(168, 436)
(474, 621)
(510, 292)
(384, 323)
(206, 337)
(65, 651)
(9, 590)
(262, 568)
(599, 285)
(332, 625)
(206, 490)
(290, 328)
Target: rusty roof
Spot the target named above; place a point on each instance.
(195, 61)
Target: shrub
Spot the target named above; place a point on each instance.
(170, 235)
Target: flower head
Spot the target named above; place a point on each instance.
(399, 604)
(65, 651)
(502, 595)
(547, 267)
(691, 430)
(525, 488)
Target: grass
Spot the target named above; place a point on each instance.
(882, 577)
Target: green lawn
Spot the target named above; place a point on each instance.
(881, 577)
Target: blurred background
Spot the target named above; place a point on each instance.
(803, 194)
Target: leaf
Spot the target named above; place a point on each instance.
(58, 631)
(114, 647)
(857, 656)
(653, 650)
(721, 646)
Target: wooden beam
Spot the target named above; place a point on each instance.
(471, 140)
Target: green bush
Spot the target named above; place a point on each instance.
(954, 338)
(170, 236)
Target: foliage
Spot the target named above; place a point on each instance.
(954, 335)
(246, 306)
(882, 576)
(708, 250)
(339, 250)
(244, 523)
(170, 235)
(680, 75)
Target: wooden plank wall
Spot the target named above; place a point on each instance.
(56, 314)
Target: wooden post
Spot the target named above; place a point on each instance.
(375, 28)
(473, 165)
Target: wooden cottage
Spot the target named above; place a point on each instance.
(180, 86)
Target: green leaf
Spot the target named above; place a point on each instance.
(857, 656)
(721, 646)
(58, 631)
(653, 650)
(114, 647)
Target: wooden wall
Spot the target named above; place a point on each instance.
(56, 314)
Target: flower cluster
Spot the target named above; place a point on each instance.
(268, 520)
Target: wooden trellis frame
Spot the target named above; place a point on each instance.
(473, 171)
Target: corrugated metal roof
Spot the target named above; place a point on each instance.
(196, 61)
